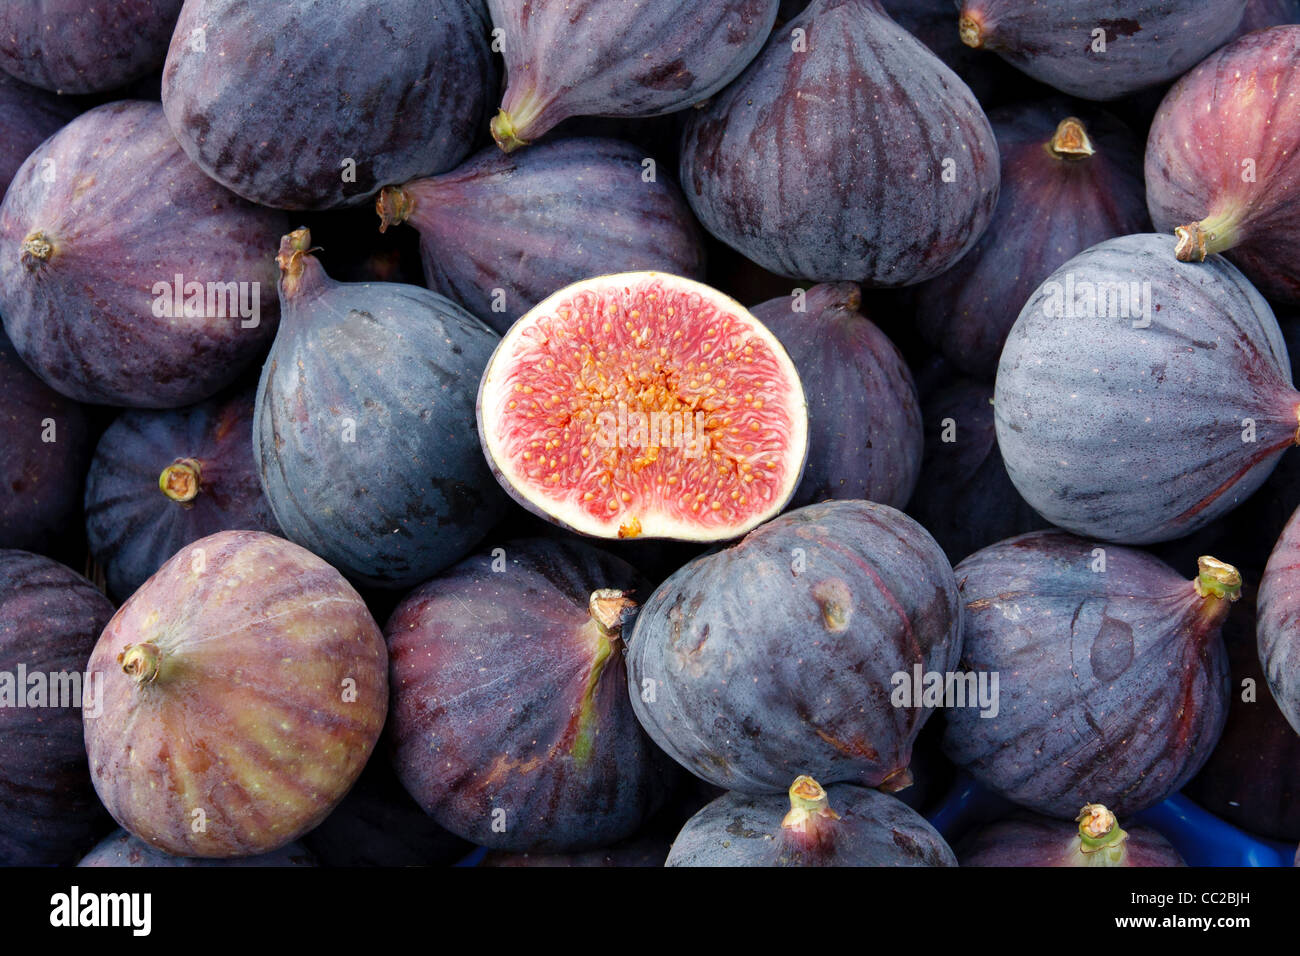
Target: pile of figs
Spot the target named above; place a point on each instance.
(683, 432)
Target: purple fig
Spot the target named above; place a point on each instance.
(1261, 14)
(1026, 839)
(1112, 675)
(1279, 622)
(905, 175)
(122, 849)
(28, 116)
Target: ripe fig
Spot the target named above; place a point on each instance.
(1268, 13)
(500, 233)
(594, 58)
(49, 619)
(364, 433)
(1102, 51)
(644, 405)
(1026, 839)
(161, 480)
(1112, 675)
(1138, 397)
(1279, 623)
(842, 825)
(720, 685)
(122, 849)
(864, 418)
(906, 171)
(244, 687)
(1223, 160)
(1068, 182)
(28, 116)
(121, 295)
(511, 724)
(315, 104)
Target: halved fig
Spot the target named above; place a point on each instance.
(644, 405)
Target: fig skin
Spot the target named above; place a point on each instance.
(510, 723)
(1242, 103)
(1138, 435)
(283, 95)
(853, 827)
(1065, 187)
(80, 46)
(245, 679)
(1261, 14)
(864, 419)
(49, 620)
(1147, 41)
(28, 116)
(80, 258)
(1113, 684)
(1027, 839)
(593, 58)
(538, 220)
(885, 114)
(133, 524)
(719, 685)
(121, 849)
(1278, 628)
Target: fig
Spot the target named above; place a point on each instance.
(364, 427)
(600, 59)
(720, 685)
(1138, 398)
(1108, 50)
(1068, 182)
(511, 724)
(906, 171)
(1268, 13)
(316, 104)
(80, 46)
(163, 479)
(49, 620)
(244, 687)
(118, 295)
(121, 849)
(1279, 624)
(47, 444)
(864, 418)
(500, 233)
(1026, 839)
(28, 116)
(1223, 161)
(644, 405)
(842, 825)
(1113, 678)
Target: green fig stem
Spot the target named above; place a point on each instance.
(1214, 234)
(505, 133)
(1100, 833)
(1070, 141)
(809, 806)
(293, 259)
(394, 206)
(1217, 579)
(37, 248)
(140, 662)
(181, 480)
(611, 609)
(971, 30)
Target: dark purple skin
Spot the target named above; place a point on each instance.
(28, 116)
(719, 684)
(873, 829)
(132, 526)
(488, 729)
(864, 418)
(121, 849)
(1053, 205)
(40, 480)
(1278, 629)
(1261, 14)
(1026, 839)
(83, 46)
(593, 58)
(1139, 435)
(964, 496)
(1147, 41)
(889, 121)
(1113, 685)
(286, 93)
(500, 233)
(81, 311)
(50, 619)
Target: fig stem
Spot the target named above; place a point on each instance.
(1099, 830)
(37, 248)
(971, 31)
(611, 609)
(140, 662)
(180, 481)
(1070, 141)
(1212, 235)
(506, 133)
(295, 249)
(394, 206)
(1217, 579)
(808, 802)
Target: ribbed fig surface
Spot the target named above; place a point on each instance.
(644, 405)
(1026, 839)
(500, 233)
(511, 724)
(906, 171)
(841, 825)
(49, 620)
(314, 104)
(722, 687)
(1104, 49)
(127, 277)
(594, 58)
(1223, 160)
(1113, 678)
(121, 849)
(1139, 397)
(162, 479)
(1279, 621)
(244, 687)
(27, 117)
(364, 429)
